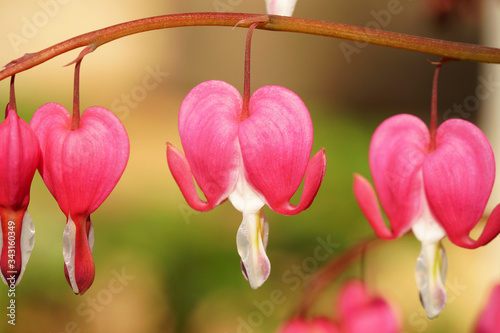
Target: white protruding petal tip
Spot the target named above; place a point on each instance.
(252, 241)
(430, 274)
(69, 245)
(27, 242)
(280, 7)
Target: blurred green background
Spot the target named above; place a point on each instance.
(162, 267)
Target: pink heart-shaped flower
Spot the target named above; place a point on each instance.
(80, 168)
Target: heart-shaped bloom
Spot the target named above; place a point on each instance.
(433, 192)
(251, 160)
(362, 312)
(20, 153)
(280, 7)
(80, 168)
(489, 320)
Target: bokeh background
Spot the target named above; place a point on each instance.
(162, 267)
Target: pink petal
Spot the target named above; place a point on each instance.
(458, 178)
(280, 7)
(80, 167)
(489, 319)
(296, 325)
(367, 201)
(181, 171)
(208, 127)
(397, 151)
(352, 296)
(276, 142)
(20, 153)
(78, 243)
(363, 313)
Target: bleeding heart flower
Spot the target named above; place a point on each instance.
(358, 312)
(80, 168)
(20, 153)
(280, 7)
(489, 320)
(362, 312)
(433, 192)
(252, 160)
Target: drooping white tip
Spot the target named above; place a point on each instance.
(430, 274)
(252, 241)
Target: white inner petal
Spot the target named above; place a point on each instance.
(251, 241)
(430, 274)
(425, 227)
(27, 242)
(69, 236)
(244, 198)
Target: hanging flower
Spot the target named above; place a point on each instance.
(435, 189)
(20, 153)
(80, 168)
(251, 159)
(489, 320)
(280, 7)
(362, 312)
(358, 312)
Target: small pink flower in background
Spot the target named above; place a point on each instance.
(489, 319)
(358, 311)
(362, 312)
(20, 153)
(252, 160)
(80, 168)
(280, 7)
(433, 192)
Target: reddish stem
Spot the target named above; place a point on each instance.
(12, 101)
(94, 39)
(245, 113)
(329, 273)
(434, 103)
(75, 121)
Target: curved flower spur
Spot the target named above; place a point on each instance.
(434, 183)
(82, 161)
(251, 161)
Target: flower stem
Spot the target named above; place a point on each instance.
(434, 103)
(332, 271)
(94, 39)
(75, 121)
(12, 101)
(245, 113)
